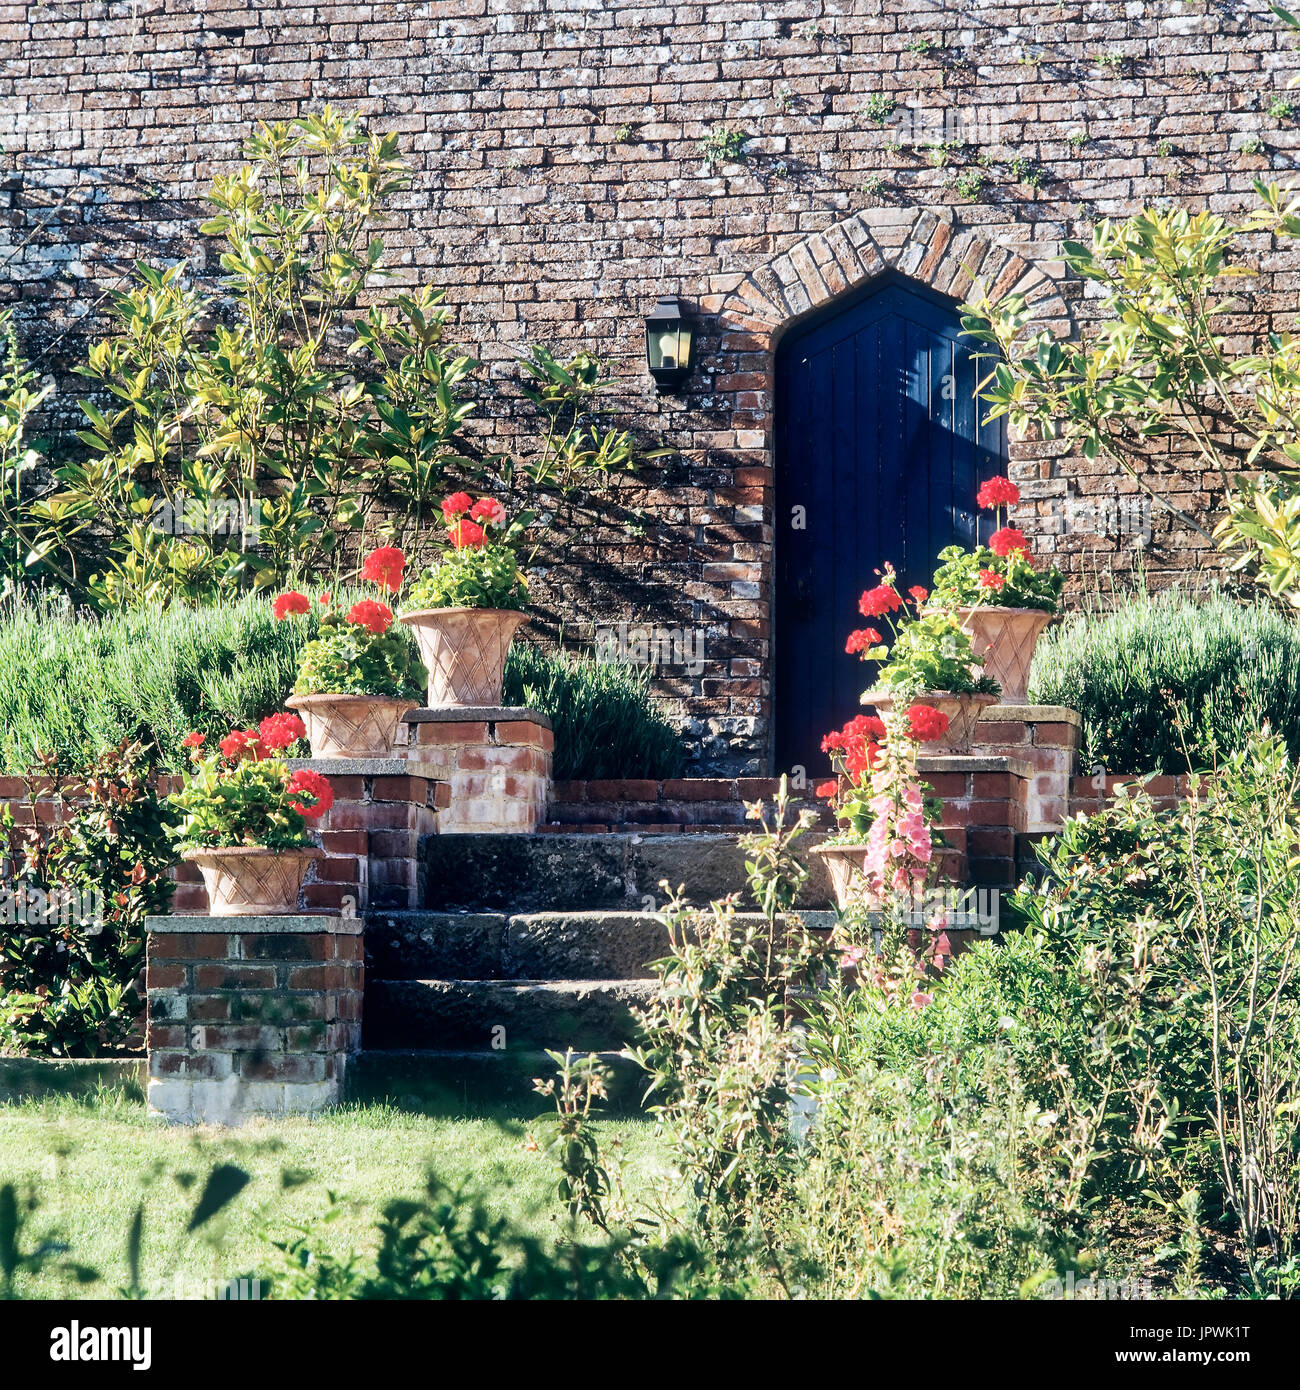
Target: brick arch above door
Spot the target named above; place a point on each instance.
(929, 246)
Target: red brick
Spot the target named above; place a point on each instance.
(316, 977)
(699, 789)
(188, 946)
(287, 1067)
(623, 790)
(337, 870)
(395, 789)
(1056, 736)
(213, 1009)
(234, 977)
(444, 735)
(1000, 733)
(287, 946)
(347, 787)
(521, 731)
(946, 784)
(344, 842)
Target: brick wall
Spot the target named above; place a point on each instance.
(558, 189)
(250, 1017)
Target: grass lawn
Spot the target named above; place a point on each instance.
(93, 1160)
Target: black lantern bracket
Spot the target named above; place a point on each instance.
(669, 343)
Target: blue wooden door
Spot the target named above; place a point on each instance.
(879, 453)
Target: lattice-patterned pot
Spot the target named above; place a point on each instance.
(246, 882)
(846, 868)
(464, 651)
(351, 726)
(1006, 638)
(963, 713)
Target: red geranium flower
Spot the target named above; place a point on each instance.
(292, 602)
(875, 603)
(239, 742)
(280, 730)
(991, 579)
(455, 505)
(488, 511)
(384, 567)
(827, 790)
(919, 593)
(998, 492)
(310, 783)
(1008, 541)
(467, 533)
(193, 739)
(927, 722)
(327, 599)
(377, 617)
(862, 639)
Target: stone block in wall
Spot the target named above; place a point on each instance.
(1044, 737)
(250, 1016)
(496, 762)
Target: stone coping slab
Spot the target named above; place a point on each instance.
(476, 714)
(1031, 714)
(973, 762)
(369, 767)
(296, 923)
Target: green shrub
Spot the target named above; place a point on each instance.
(76, 896)
(1129, 671)
(606, 724)
(72, 684)
(1181, 926)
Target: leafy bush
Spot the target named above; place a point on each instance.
(72, 932)
(477, 567)
(72, 684)
(469, 578)
(606, 723)
(931, 652)
(358, 650)
(1182, 928)
(1130, 671)
(246, 794)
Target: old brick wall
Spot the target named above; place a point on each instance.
(559, 188)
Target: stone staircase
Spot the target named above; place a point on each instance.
(524, 943)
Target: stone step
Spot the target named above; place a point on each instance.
(502, 1015)
(550, 872)
(528, 946)
(575, 945)
(458, 1083)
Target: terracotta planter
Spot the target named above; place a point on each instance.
(963, 713)
(351, 726)
(245, 882)
(845, 866)
(1006, 638)
(464, 651)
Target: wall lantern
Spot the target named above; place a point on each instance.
(669, 343)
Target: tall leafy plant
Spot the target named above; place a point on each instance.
(1161, 366)
(18, 456)
(239, 444)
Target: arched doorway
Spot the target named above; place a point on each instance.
(879, 453)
